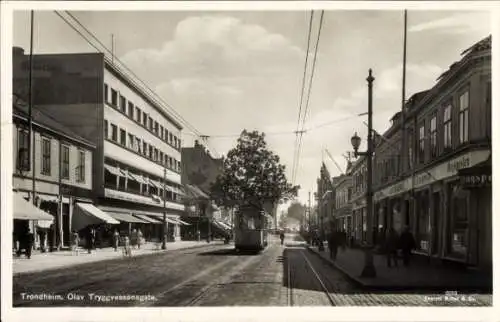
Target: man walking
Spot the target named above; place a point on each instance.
(407, 243)
(333, 244)
(391, 247)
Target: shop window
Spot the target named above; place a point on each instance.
(458, 234)
(65, 162)
(463, 117)
(45, 169)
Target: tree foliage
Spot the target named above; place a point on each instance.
(296, 211)
(251, 175)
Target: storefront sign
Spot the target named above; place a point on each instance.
(437, 173)
(471, 180)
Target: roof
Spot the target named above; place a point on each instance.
(21, 109)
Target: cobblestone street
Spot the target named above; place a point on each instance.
(215, 275)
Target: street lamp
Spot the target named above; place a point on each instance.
(369, 268)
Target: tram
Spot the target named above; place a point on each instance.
(252, 228)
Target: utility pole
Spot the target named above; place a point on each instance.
(403, 155)
(369, 268)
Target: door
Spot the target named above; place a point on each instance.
(435, 223)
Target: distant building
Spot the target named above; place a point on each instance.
(137, 161)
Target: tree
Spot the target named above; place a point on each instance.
(296, 211)
(251, 175)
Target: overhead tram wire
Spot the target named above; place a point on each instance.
(182, 119)
(302, 94)
(309, 93)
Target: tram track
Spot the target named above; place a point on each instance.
(305, 263)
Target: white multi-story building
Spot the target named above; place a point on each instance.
(137, 163)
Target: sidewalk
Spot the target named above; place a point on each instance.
(60, 259)
(419, 276)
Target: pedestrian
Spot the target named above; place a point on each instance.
(133, 238)
(75, 240)
(116, 239)
(333, 244)
(26, 242)
(407, 244)
(282, 237)
(139, 238)
(127, 250)
(391, 247)
(89, 239)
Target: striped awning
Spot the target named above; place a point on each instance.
(123, 217)
(160, 217)
(113, 170)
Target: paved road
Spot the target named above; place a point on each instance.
(287, 275)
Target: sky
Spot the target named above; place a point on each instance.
(233, 70)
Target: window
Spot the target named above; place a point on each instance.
(80, 177)
(178, 165)
(175, 141)
(410, 149)
(151, 152)
(458, 242)
(464, 117)
(123, 137)
(130, 110)
(170, 162)
(178, 143)
(138, 114)
(23, 155)
(156, 128)
(161, 132)
(138, 145)
(45, 170)
(106, 96)
(123, 104)
(161, 157)
(105, 129)
(447, 127)
(144, 148)
(166, 135)
(155, 154)
(433, 137)
(421, 144)
(144, 119)
(170, 136)
(150, 123)
(114, 97)
(65, 162)
(131, 141)
(114, 133)
(165, 162)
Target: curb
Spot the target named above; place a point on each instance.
(155, 252)
(385, 288)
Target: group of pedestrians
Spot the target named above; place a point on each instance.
(393, 243)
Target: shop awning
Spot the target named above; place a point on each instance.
(130, 176)
(182, 222)
(48, 198)
(25, 210)
(113, 170)
(160, 218)
(123, 217)
(155, 183)
(87, 214)
(148, 219)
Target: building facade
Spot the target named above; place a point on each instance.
(137, 161)
(445, 129)
(343, 204)
(325, 200)
(358, 199)
(63, 173)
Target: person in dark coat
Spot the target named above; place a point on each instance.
(282, 236)
(333, 244)
(391, 247)
(407, 244)
(26, 241)
(90, 239)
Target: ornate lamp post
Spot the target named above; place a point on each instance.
(369, 268)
